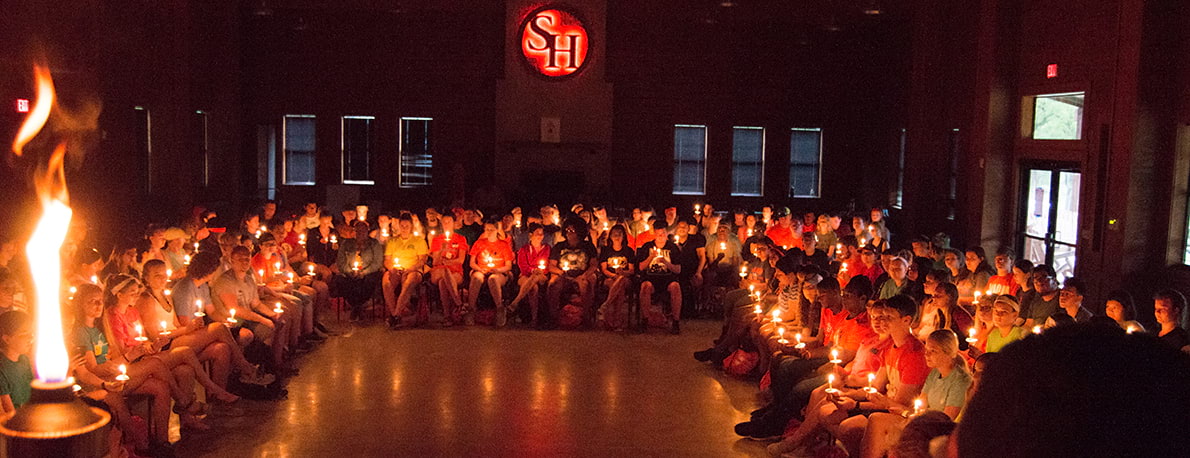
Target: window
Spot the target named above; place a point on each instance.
(690, 159)
(805, 162)
(202, 144)
(417, 153)
(898, 194)
(1058, 116)
(357, 149)
(297, 164)
(747, 161)
(144, 148)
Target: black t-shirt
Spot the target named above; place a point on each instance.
(656, 268)
(1177, 338)
(622, 257)
(819, 259)
(471, 232)
(688, 253)
(577, 257)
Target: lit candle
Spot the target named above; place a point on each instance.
(871, 379)
(416, 234)
(844, 269)
(260, 273)
(384, 232)
(301, 239)
(518, 222)
(355, 266)
(835, 356)
(123, 377)
(1037, 329)
(334, 239)
(448, 236)
(263, 228)
(776, 316)
(164, 331)
(799, 344)
(167, 292)
(541, 264)
(276, 266)
(397, 263)
(198, 309)
(722, 246)
(918, 404)
(697, 209)
(290, 277)
(433, 233)
(838, 248)
(232, 319)
(195, 247)
(94, 280)
(976, 300)
(604, 227)
(749, 232)
(757, 310)
(971, 335)
(830, 384)
(140, 333)
(488, 259)
(311, 269)
(677, 239)
(744, 271)
(186, 260)
(781, 336)
(565, 266)
(1131, 329)
(277, 309)
(169, 273)
(72, 291)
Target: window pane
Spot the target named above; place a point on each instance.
(299, 149)
(357, 149)
(1058, 116)
(747, 157)
(805, 156)
(690, 154)
(417, 153)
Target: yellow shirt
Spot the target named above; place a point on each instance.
(404, 252)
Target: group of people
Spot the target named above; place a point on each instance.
(851, 354)
(850, 338)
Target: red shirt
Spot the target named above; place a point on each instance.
(785, 237)
(456, 247)
(528, 259)
(497, 253)
(640, 239)
(867, 359)
(1003, 284)
(906, 365)
(269, 266)
(123, 326)
(846, 333)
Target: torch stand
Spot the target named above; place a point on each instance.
(55, 423)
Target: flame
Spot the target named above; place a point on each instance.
(45, 264)
(40, 112)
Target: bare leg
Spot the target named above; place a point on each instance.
(220, 357)
(473, 289)
(409, 284)
(675, 301)
(388, 285)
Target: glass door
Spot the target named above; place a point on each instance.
(1049, 220)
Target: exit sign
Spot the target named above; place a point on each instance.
(1051, 71)
(22, 105)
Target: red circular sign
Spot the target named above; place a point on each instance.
(554, 42)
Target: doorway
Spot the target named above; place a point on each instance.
(1049, 216)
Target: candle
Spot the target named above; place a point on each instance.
(277, 308)
(1037, 329)
(838, 248)
(844, 269)
(355, 266)
(488, 259)
(290, 277)
(164, 331)
(232, 319)
(311, 269)
(565, 266)
(198, 308)
(276, 266)
(697, 209)
(94, 280)
(871, 379)
(677, 239)
(776, 316)
(541, 264)
(257, 233)
(260, 273)
(448, 236)
(757, 310)
(433, 233)
(263, 228)
(301, 239)
(918, 404)
(167, 292)
(518, 223)
(384, 232)
(195, 247)
(140, 333)
(334, 239)
(830, 384)
(123, 377)
(169, 273)
(976, 300)
(397, 263)
(749, 232)
(799, 344)
(722, 246)
(971, 335)
(744, 271)
(1131, 329)
(835, 356)
(72, 291)
(604, 227)
(781, 336)
(186, 260)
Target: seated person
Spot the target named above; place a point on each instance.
(447, 252)
(405, 255)
(616, 263)
(659, 274)
(236, 300)
(573, 262)
(1005, 310)
(1070, 299)
(1169, 307)
(945, 390)
(491, 263)
(942, 311)
(16, 372)
(359, 267)
(1119, 307)
(533, 261)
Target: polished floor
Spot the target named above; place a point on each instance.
(481, 392)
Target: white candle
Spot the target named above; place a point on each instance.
(1131, 329)
(722, 246)
(744, 271)
(835, 356)
(871, 379)
(167, 292)
(781, 336)
(186, 260)
(541, 264)
(757, 310)
(976, 300)
(232, 318)
(971, 335)
(1037, 329)
(798, 338)
(830, 384)
(917, 406)
(311, 269)
(198, 308)
(140, 333)
(277, 308)
(123, 377)
(164, 331)
(169, 273)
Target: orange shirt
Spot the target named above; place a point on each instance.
(785, 237)
(496, 253)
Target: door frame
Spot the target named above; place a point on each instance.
(1024, 199)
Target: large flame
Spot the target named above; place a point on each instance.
(45, 245)
(40, 112)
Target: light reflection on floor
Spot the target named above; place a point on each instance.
(481, 392)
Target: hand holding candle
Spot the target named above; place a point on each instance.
(830, 384)
(123, 377)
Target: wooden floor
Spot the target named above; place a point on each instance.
(481, 392)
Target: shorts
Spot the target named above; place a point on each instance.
(261, 332)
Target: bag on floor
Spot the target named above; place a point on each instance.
(740, 363)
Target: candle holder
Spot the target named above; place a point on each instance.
(54, 423)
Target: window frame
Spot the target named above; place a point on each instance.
(401, 152)
(763, 151)
(705, 137)
(343, 150)
(285, 150)
(817, 165)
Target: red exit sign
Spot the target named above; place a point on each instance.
(22, 105)
(1051, 71)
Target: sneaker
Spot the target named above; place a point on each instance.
(760, 430)
(705, 355)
